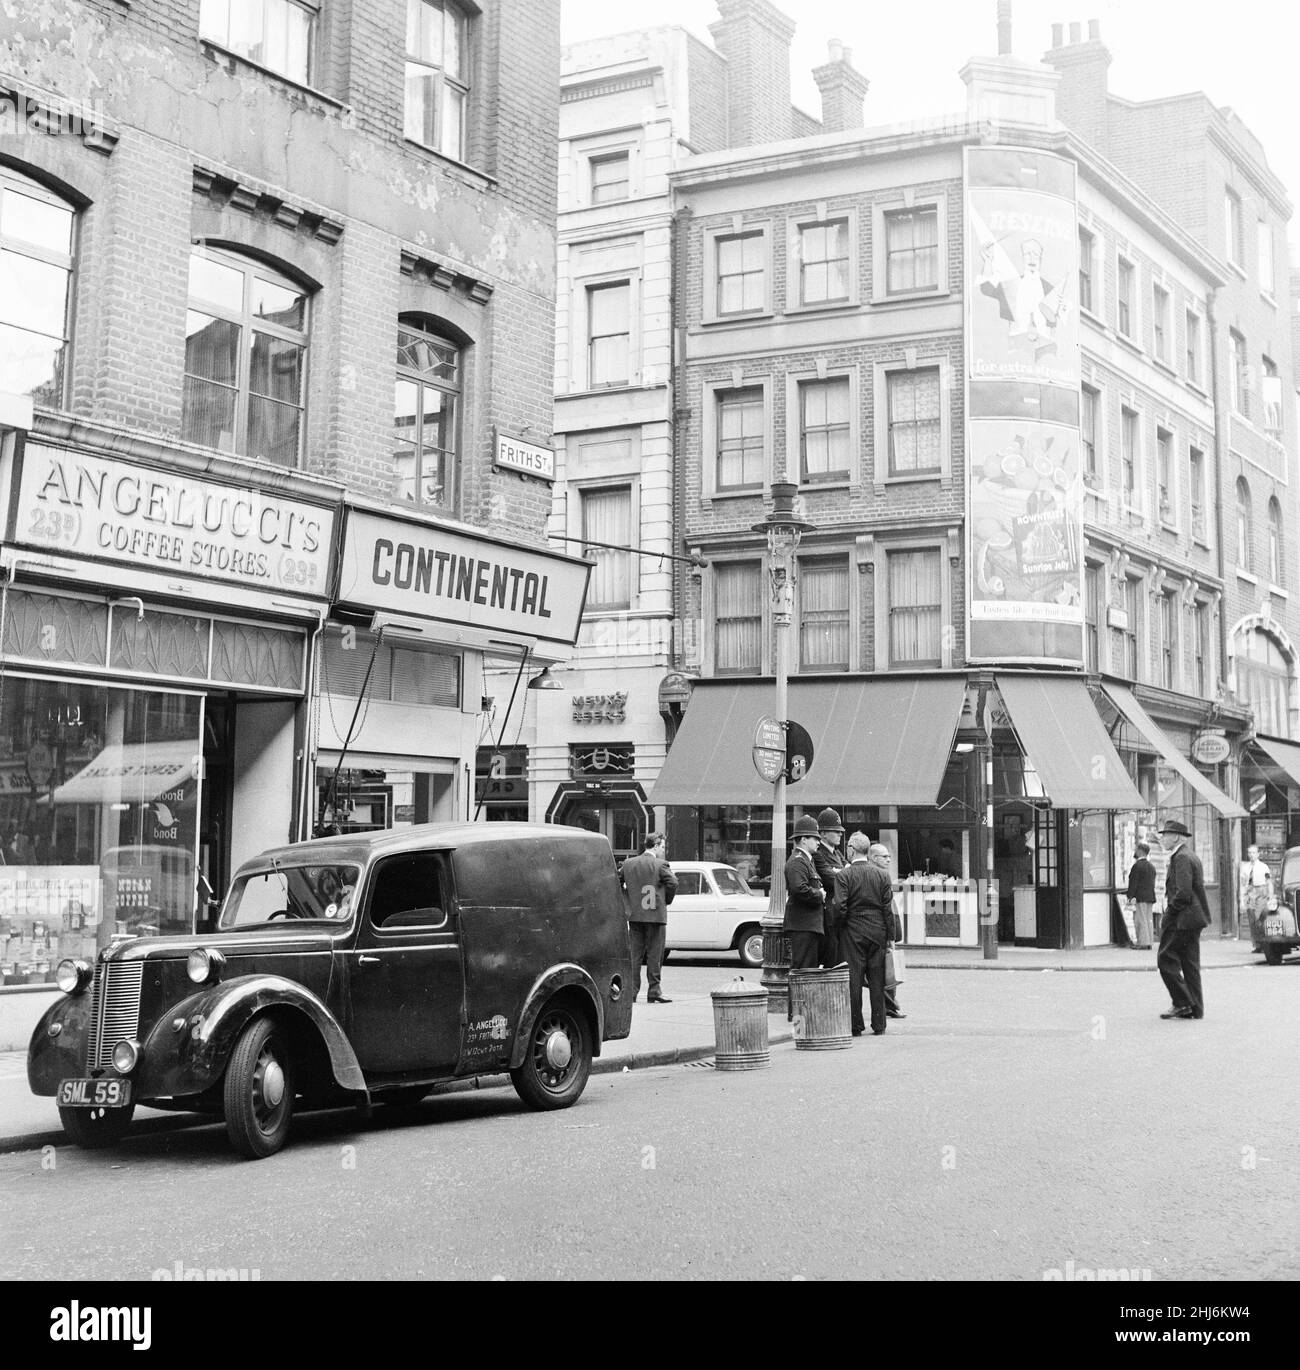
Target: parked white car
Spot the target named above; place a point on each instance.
(715, 910)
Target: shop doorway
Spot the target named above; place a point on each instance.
(620, 814)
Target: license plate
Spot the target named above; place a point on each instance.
(94, 1093)
(1272, 927)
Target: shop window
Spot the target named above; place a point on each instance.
(824, 615)
(245, 358)
(915, 580)
(426, 433)
(824, 430)
(99, 803)
(36, 259)
(501, 785)
(824, 262)
(738, 617)
(276, 34)
(1096, 844)
(437, 75)
(1046, 854)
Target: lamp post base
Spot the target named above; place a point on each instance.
(776, 970)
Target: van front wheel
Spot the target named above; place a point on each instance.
(1273, 954)
(557, 1061)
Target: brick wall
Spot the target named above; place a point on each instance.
(754, 36)
(706, 74)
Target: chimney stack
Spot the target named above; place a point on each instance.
(1081, 98)
(754, 36)
(842, 89)
(1004, 28)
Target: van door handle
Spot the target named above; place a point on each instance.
(367, 960)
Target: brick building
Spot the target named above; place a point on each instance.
(988, 356)
(275, 393)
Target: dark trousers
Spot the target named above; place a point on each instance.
(805, 950)
(648, 945)
(830, 948)
(1179, 964)
(866, 958)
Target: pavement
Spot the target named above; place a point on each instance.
(665, 1034)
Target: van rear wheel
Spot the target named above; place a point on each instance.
(557, 1060)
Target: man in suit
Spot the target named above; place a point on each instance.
(827, 859)
(804, 897)
(1187, 914)
(864, 894)
(650, 885)
(1141, 893)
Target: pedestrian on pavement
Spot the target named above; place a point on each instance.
(865, 895)
(892, 1007)
(650, 885)
(1141, 894)
(1187, 914)
(805, 898)
(827, 859)
(1256, 888)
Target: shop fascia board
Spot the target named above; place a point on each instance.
(108, 582)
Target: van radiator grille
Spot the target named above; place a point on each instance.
(114, 1010)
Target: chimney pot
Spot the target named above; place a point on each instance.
(835, 50)
(1058, 35)
(1094, 30)
(1076, 33)
(848, 57)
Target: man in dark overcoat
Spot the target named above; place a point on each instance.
(804, 897)
(864, 895)
(1187, 915)
(828, 860)
(650, 885)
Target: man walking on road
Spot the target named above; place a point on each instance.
(864, 894)
(828, 860)
(1187, 914)
(804, 898)
(650, 885)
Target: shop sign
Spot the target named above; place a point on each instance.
(600, 708)
(769, 748)
(78, 504)
(517, 455)
(1210, 747)
(433, 572)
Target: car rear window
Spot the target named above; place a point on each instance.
(688, 882)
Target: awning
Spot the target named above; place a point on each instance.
(1127, 703)
(1285, 754)
(131, 773)
(1062, 734)
(875, 741)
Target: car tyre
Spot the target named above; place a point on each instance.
(557, 1059)
(91, 1128)
(1273, 955)
(750, 947)
(259, 1091)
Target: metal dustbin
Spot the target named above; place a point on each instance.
(819, 1006)
(740, 1026)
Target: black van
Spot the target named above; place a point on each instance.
(363, 968)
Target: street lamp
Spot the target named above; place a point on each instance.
(784, 529)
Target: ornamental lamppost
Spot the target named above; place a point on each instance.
(784, 529)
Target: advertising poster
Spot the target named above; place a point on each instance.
(1025, 489)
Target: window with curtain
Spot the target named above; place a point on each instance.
(607, 517)
(824, 429)
(610, 178)
(245, 358)
(276, 34)
(1128, 643)
(911, 250)
(1124, 297)
(1086, 244)
(1275, 565)
(824, 262)
(1165, 474)
(425, 436)
(1088, 434)
(609, 333)
(1128, 454)
(437, 75)
(36, 229)
(740, 439)
(1091, 615)
(824, 615)
(1244, 532)
(915, 607)
(1168, 639)
(737, 617)
(1196, 476)
(740, 273)
(915, 426)
(1202, 648)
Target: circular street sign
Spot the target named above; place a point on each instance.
(1209, 748)
(769, 748)
(798, 752)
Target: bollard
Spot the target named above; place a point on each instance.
(819, 1004)
(740, 1026)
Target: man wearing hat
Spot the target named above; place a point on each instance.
(827, 859)
(865, 893)
(1187, 913)
(804, 897)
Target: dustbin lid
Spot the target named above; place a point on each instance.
(738, 988)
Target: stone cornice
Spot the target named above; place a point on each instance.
(444, 277)
(225, 191)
